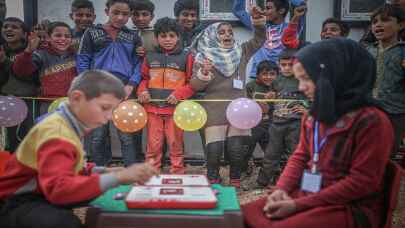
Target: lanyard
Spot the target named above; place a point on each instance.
(317, 146)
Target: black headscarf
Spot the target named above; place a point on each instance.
(344, 74)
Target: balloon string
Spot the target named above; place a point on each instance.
(196, 100)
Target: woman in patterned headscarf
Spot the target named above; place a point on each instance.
(217, 49)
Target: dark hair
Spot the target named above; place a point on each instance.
(80, 4)
(342, 25)
(166, 24)
(109, 3)
(266, 65)
(281, 4)
(55, 24)
(181, 5)
(388, 10)
(94, 83)
(142, 5)
(23, 26)
(288, 53)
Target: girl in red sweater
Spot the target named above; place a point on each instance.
(334, 178)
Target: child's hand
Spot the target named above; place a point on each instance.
(299, 109)
(136, 173)
(33, 42)
(40, 30)
(256, 12)
(206, 67)
(299, 11)
(144, 97)
(128, 90)
(172, 100)
(140, 51)
(2, 54)
(270, 95)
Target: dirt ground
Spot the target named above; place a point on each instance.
(246, 195)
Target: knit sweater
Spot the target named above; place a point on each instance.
(56, 71)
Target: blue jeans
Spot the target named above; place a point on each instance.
(102, 154)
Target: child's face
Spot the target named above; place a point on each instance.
(306, 85)
(60, 38)
(187, 19)
(142, 18)
(118, 14)
(286, 67)
(272, 14)
(95, 112)
(12, 32)
(331, 30)
(83, 18)
(384, 28)
(267, 76)
(167, 40)
(225, 36)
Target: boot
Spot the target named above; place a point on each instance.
(237, 148)
(214, 153)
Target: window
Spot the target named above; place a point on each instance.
(356, 10)
(221, 9)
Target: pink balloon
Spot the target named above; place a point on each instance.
(244, 113)
(13, 111)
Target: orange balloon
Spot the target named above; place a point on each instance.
(129, 116)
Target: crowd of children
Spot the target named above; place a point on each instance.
(334, 90)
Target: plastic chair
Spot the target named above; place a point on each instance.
(392, 185)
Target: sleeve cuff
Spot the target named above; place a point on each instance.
(107, 181)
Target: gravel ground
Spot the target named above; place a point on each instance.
(246, 196)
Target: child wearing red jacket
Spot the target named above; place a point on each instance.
(48, 173)
(165, 75)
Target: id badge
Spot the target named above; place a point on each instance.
(237, 84)
(311, 182)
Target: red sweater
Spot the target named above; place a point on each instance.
(56, 71)
(54, 178)
(352, 163)
(289, 37)
(181, 93)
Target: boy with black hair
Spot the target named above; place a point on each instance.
(284, 129)
(14, 32)
(165, 75)
(82, 14)
(275, 12)
(386, 22)
(267, 72)
(55, 62)
(112, 47)
(187, 15)
(142, 16)
(48, 175)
